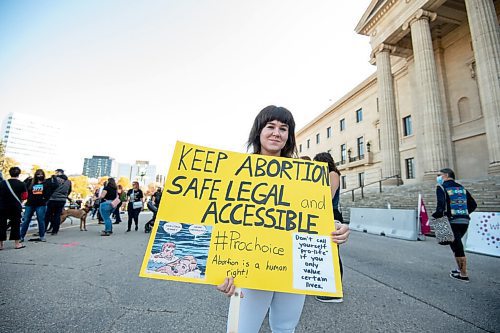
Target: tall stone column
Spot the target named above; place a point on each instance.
(486, 41)
(389, 139)
(436, 153)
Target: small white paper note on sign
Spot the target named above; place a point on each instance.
(312, 263)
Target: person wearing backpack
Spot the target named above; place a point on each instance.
(12, 193)
(59, 188)
(457, 203)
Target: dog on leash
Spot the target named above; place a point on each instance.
(79, 214)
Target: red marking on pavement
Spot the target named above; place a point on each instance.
(73, 244)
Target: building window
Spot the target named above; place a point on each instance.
(308, 143)
(343, 152)
(300, 148)
(317, 138)
(328, 132)
(410, 168)
(359, 115)
(361, 179)
(361, 147)
(342, 124)
(343, 182)
(407, 126)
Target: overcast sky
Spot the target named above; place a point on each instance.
(129, 78)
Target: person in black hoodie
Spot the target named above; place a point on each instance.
(457, 203)
(37, 202)
(12, 193)
(59, 187)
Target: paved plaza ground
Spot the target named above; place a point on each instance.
(80, 282)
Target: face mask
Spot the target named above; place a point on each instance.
(39, 177)
(439, 180)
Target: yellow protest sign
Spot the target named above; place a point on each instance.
(265, 221)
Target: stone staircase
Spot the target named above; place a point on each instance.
(486, 192)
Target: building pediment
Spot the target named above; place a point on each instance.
(372, 15)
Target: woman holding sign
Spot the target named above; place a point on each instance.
(273, 134)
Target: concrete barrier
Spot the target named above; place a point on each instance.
(396, 223)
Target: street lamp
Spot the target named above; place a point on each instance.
(368, 146)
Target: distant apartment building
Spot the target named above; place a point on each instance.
(124, 170)
(98, 166)
(141, 171)
(32, 140)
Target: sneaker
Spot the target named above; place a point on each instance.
(454, 271)
(327, 299)
(105, 233)
(459, 277)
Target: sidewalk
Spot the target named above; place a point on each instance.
(81, 282)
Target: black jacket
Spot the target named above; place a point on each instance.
(443, 201)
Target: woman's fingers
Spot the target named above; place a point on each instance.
(227, 287)
(341, 234)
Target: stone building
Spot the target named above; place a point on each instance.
(433, 102)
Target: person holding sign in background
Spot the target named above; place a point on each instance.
(273, 134)
(334, 185)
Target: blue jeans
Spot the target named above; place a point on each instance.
(106, 209)
(40, 216)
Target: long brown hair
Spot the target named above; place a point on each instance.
(327, 158)
(34, 180)
(111, 183)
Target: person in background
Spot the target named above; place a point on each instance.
(273, 134)
(454, 200)
(337, 215)
(95, 203)
(108, 194)
(37, 202)
(59, 188)
(12, 194)
(123, 197)
(153, 206)
(100, 220)
(134, 207)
